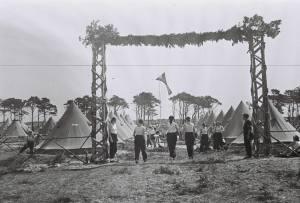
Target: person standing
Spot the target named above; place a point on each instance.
(189, 135)
(113, 138)
(247, 131)
(29, 143)
(157, 140)
(218, 136)
(152, 136)
(257, 136)
(204, 138)
(139, 135)
(172, 132)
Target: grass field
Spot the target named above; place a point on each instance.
(211, 177)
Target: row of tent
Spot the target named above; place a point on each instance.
(233, 124)
(72, 131)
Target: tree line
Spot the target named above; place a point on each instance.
(16, 109)
(185, 103)
(146, 105)
(289, 100)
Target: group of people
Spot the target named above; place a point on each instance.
(153, 137)
(208, 135)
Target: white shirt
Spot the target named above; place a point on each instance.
(219, 129)
(139, 130)
(172, 128)
(113, 128)
(204, 130)
(188, 127)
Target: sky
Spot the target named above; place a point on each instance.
(39, 34)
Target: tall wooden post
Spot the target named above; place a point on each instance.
(98, 103)
(259, 88)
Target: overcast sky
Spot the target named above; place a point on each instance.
(46, 33)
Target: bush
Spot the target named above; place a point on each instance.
(123, 170)
(167, 170)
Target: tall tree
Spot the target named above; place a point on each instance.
(117, 103)
(146, 104)
(32, 103)
(46, 108)
(15, 107)
(84, 103)
(3, 109)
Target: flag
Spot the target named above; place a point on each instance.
(163, 79)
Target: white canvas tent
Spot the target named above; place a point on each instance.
(124, 132)
(4, 126)
(235, 127)
(220, 117)
(280, 129)
(210, 119)
(71, 131)
(15, 130)
(48, 127)
(228, 116)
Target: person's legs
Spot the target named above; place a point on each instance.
(205, 142)
(136, 148)
(174, 140)
(169, 141)
(219, 140)
(192, 146)
(247, 144)
(143, 148)
(215, 141)
(31, 146)
(189, 144)
(111, 150)
(23, 148)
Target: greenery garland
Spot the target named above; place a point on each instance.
(97, 35)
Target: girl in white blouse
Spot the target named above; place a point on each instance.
(189, 133)
(139, 135)
(172, 132)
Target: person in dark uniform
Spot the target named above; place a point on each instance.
(172, 132)
(189, 135)
(218, 139)
(204, 144)
(139, 135)
(113, 138)
(247, 131)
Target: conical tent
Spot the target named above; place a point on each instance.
(15, 130)
(228, 116)
(24, 126)
(280, 129)
(211, 119)
(235, 127)
(220, 117)
(203, 119)
(49, 125)
(71, 131)
(4, 126)
(123, 132)
(130, 127)
(124, 125)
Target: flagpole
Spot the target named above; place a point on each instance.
(159, 94)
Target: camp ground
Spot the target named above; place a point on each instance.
(281, 130)
(149, 101)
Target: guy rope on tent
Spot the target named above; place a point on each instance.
(252, 30)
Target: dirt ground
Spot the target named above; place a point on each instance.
(210, 177)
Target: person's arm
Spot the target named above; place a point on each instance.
(109, 138)
(183, 129)
(134, 132)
